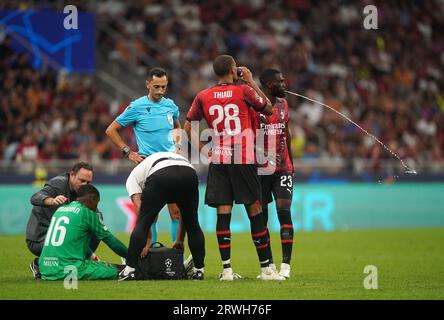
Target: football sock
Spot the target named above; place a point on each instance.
(265, 217)
(269, 245)
(226, 264)
(224, 238)
(260, 239)
(287, 234)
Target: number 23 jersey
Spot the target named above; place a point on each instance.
(225, 108)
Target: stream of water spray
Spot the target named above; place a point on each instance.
(408, 169)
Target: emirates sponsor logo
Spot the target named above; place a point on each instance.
(273, 128)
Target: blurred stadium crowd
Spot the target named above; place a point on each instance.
(48, 116)
(388, 80)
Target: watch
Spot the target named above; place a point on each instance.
(126, 151)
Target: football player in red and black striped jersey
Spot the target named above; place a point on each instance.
(277, 142)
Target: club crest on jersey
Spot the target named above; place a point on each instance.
(148, 109)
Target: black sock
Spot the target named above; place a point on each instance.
(260, 239)
(265, 216)
(224, 238)
(286, 234)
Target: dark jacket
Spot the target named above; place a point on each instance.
(41, 215)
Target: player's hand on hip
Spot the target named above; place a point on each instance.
(61, 199)
(135, 157)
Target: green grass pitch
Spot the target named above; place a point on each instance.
(410, 265)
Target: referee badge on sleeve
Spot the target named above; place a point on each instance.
(170, 118)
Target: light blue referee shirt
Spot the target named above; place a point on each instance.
(153, 124)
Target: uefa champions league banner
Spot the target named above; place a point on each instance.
(66, 38)
(316, 207)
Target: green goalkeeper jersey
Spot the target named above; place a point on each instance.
(68, 237)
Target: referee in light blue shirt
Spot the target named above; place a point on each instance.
(153, 118)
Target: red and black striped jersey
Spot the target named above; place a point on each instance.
(225, 108)
(274, 129)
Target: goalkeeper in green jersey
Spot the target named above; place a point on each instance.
(68, 237)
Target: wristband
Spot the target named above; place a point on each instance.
(126, 151)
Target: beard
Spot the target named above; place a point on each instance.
(280, 93)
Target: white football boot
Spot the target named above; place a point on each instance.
(268, 274)
(272, 267)
(285, 270)
(228, 275)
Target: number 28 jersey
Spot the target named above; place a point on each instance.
(225, 108)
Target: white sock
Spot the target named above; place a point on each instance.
(196, 269)
(127, 270)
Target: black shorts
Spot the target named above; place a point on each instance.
(170, 185)
(279, 184)
(232, 182)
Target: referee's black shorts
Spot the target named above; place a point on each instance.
(232, 182)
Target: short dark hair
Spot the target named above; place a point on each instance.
(267, 76)
(81, 165)
(222, 65)
(88, 191)
(156, 72)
